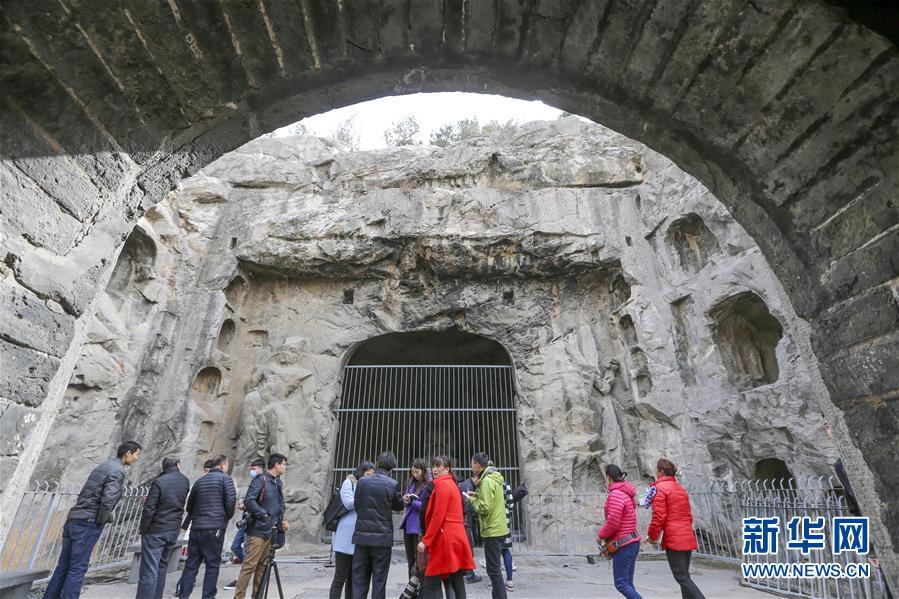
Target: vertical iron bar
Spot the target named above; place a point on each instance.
(352, 454)
(465, 454)
(387, 402)
(23, 516)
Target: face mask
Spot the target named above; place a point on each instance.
(253, 474)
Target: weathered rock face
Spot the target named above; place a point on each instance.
(640, 318)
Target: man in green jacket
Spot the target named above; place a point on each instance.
(489, 501)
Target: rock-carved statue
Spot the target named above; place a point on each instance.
(747, 353)
(282, 370)
(263, 425)
(264, 416)
(606, 382)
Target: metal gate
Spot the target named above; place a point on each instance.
(423, 411)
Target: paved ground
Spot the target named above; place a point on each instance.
(535, 578)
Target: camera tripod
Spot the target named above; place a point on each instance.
(270, 567)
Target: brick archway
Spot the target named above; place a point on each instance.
(788, 113)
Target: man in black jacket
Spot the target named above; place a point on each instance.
(210, 506)
(93, 509)
(264, 502)
(471, 524)
(159, 522)
(376, 496)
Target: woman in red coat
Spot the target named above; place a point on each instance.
(672, 516)
(445, 539)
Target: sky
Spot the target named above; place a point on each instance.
(430, 110)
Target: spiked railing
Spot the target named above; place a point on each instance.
(35, 536)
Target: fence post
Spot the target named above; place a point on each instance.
(43, 531)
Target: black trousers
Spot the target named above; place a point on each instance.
(679, 562)
(370, 566)
(411, 543)
(493, 550)
(454, 584)
(343, 576)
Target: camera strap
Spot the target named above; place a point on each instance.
(262, 492)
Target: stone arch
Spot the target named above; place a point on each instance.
(772, 469)
(207, 381)
(450, 347)
(457, 386)
(692, 242)
(226, 336)
(747, 336)
(787, 116)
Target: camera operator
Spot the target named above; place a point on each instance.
(257, 467)
(264, 502)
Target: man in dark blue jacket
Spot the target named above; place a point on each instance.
(159, 523)
(376, 496)
(210, 506)
(93, 510)
(264, 502)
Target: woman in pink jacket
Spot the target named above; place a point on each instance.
(621, 526)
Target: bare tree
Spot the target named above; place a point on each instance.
(466, 129)
(347, 132)
(403, 133)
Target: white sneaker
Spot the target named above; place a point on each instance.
(510, 586)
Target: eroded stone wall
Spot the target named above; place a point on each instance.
(597, 263)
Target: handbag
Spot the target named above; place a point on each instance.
(608, 549)
(334, 512)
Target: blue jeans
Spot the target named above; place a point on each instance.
(155, 548)
(78, 540)
(623, 562)
(204, 545)
(237, 547)
(507, 562)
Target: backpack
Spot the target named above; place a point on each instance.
(334, 512)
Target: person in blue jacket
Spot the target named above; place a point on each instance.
(210, 506)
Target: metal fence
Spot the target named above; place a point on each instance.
(718, 510)
(35, 536)
(566, 524)
(424, 411)
(551, 524)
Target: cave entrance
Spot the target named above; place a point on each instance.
(423, 394)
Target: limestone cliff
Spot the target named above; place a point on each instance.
(640, 318)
